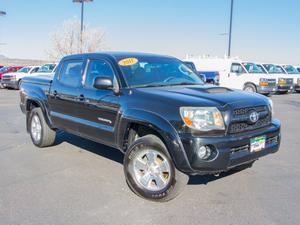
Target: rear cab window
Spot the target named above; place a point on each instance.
(71, 72)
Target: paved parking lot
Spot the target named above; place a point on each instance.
(81, 182)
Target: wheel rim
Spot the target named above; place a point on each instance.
(152, 170)
(249, 89)
(36, 128)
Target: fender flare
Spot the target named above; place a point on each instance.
(167, 132)
(40, 100)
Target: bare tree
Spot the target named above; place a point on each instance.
(66, 40)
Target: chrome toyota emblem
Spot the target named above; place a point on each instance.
(254, 117)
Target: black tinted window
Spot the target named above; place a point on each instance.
(97, 68)
(71, 73)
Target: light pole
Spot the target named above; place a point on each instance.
(82, 12)
(2, 13)
(230, 30)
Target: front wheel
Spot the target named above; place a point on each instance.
(41, 134)
(150, 172)
(250, 88)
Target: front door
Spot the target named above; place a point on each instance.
(99, 110)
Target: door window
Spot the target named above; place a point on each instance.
(71, 73)
(237, 68)
(35, 70)
(98, 68)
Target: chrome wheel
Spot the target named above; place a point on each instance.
(36, 128)
(152, 170)
(249, 89)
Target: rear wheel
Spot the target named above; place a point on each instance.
(250, 88)
(41, 134)
(150, 172)
(19, 83)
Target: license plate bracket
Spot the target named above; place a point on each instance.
(257, 144)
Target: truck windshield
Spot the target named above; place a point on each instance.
(4, 69)
(151, 71)
(261, 68)
(47, 68)
(271, 68)
(24, 70)
(252, 68)
(290, 69)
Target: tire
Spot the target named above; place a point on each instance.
(19, 83)
(268, 95)
(41, 134)
(243, 167)
(282, 92)
(250, 88)
(148, 182)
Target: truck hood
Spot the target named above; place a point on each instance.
(203, 96)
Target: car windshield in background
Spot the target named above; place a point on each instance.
(290, 69)
(4, 69)
(24, 70)
(261, 68)
(48, 68)
(151, 71)
(252, 68)
(273, 68)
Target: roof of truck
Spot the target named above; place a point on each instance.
(117, 54)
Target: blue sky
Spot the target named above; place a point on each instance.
(265, 30)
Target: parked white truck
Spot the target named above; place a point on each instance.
(12, 80)
(291, 70)
(284, 81)
(234, 74)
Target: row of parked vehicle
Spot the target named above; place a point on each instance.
(263, 78)
(11, 76)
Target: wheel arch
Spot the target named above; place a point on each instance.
(33, 103)
(158, 126)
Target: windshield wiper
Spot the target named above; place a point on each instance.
(184, 83)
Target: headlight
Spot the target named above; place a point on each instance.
(202, 118)
(263, 82)
(271, 105)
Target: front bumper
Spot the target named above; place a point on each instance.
(284, 87)
(10, 84)
(266, 89)
(231, 150)
(297, 87)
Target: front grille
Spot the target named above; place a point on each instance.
(272, 82)
(240, 119)
(6, 78)
(289, 81)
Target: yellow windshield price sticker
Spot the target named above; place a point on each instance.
(128, 62)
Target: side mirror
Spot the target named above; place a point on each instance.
(103, 83)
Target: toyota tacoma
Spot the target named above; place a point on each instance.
(157, 111)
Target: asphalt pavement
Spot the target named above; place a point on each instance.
(82, 182)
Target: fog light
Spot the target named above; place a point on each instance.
(204, 152)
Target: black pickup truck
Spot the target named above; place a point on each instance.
(157, 112)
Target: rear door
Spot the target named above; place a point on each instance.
(64, 98)
(100, 108)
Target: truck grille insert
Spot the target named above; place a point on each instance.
(241, 119)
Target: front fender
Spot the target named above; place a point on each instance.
(160, 125)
